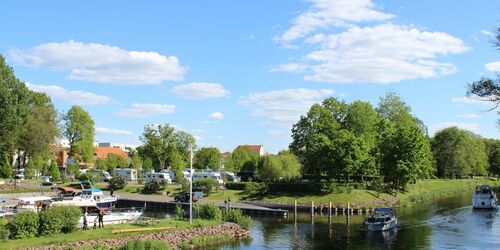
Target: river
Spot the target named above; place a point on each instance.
(448, 223)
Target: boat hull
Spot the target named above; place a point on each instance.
(484, 203)
(382, 226)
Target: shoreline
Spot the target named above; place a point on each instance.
(227, 231)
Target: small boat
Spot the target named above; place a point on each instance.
(86, 196)
(116, 216)
(31, 203)
(484, 198)
(381, 219)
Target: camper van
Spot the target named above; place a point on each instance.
(208, 175)
(162, 177)
(127, 173)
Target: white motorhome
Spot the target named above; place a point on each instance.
(163, 177)
(208, 175)
(127, 173)
(171, 173)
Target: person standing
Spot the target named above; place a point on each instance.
(101, 219)
(85, 222)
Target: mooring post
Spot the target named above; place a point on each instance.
(330, 209)
(348, 209)
(295, 208)
(312, 208)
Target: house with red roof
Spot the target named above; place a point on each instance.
(103, 152)
(259, 149)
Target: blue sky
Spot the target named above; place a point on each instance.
(242, 72)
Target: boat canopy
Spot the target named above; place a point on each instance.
(383, 209)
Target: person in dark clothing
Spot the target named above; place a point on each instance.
(85, 222)
(101, 219)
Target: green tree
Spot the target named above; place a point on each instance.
(156, 141)
(54, 171)
(5, 167)
(494, 161)
(135, 160)
(115, 161)
(78, 128)
(72, 170)
(147, 165)
(243, 159)
(208, 158)
(29, 172)
(183, 141)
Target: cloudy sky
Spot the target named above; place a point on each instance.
(242, 72)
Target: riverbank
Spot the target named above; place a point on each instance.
(183, 234)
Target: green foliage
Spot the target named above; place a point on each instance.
(147, 165)
(154, 186)
(494, 159)
(4, 233)
(459, 153)
(40, 129)
(24, 225)
(242, 159)
(205, 185)
(179, 212)
(249, 186)
(5, 167)
(29, 172)
(283, 166)
(51, 221)
(111, 162)
(208, 212)
(208, 158)
(236, 216)
(66, 219)
(54, 171)
(78, 128)
(72, 169)
(144, 245)
(117, 183)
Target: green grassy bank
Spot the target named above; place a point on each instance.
(102, 233)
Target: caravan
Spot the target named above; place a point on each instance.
(208, 175)
(162, 177)
(127, 173)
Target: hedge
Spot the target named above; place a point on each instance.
(24, 225)
(205, 185)
(249, 186)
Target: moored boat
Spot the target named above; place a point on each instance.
(484, 198)
(116, 216)
(381, 219)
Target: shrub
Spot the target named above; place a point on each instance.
(117, 183)
(51, 222)
(208, 212)
(248, 186)
(70, 217)
(4, 233)
(204, 185)
(154, 186)
(144, 245)
(236, 216)
(179, 212)
(24, 225)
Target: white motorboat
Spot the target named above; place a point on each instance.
(484, 198)
(381, 219)
(31, 203)
(116, 216)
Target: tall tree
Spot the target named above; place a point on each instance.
(208, 158)
(78, 128)
(243, 159)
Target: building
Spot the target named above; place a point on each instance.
(103, 152)
(123, 146)
(259, 149)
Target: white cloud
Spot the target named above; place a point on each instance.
(198, 138)
(200, 90)
(493, 66)
(283, 106)
(324, 14)
(468, 100)
(220, 137)
(143, 110)
(469, 116)
(112, 131)
(290, 67)
(77, 97)
(487, 33)
(473, 127)
(199, 131)
(102, 63)
(216, 115)
(384, 53)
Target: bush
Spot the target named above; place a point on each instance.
(248, 186)
(179, 212)
(4, 233)
(236, 216)
(24, 225)
(144, 245)
(51, 222)
(153, 186)
(117, 183)
(208, 212)
(70, 217)
(204, 185)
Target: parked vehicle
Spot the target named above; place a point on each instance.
(19, 174)
(484, 198)
(184, 197)
(171, 173)
(105, 176)
(162, 177)
(248, 176)
(382, 219)
(208, 175)
(231, 177)
(127, 173)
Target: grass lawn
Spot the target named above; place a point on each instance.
(422, 191)
(102, 233)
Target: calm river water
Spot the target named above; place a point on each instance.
(441, 224)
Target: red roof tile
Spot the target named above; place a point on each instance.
(103, 152)
(255, 148)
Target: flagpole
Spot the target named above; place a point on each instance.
(190, 184)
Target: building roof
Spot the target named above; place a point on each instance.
(103, 152)
(255, 148)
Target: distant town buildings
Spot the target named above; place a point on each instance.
(103, 152)
(123, 146)
(259, 149)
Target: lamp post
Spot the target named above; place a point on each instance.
(190, 184)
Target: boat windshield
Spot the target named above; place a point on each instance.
(483, 190)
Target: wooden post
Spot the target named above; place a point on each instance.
(330, 209)
(295, 208)
(348, 209)
(312, 208)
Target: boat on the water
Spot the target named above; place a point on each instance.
(31, 203)
(86, 196)
(381, 219)
(484, 198)
(116, 216)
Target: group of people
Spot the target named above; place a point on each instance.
(99, 218)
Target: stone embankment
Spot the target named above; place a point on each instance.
(174, 238)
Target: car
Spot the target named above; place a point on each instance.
(184, 197)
